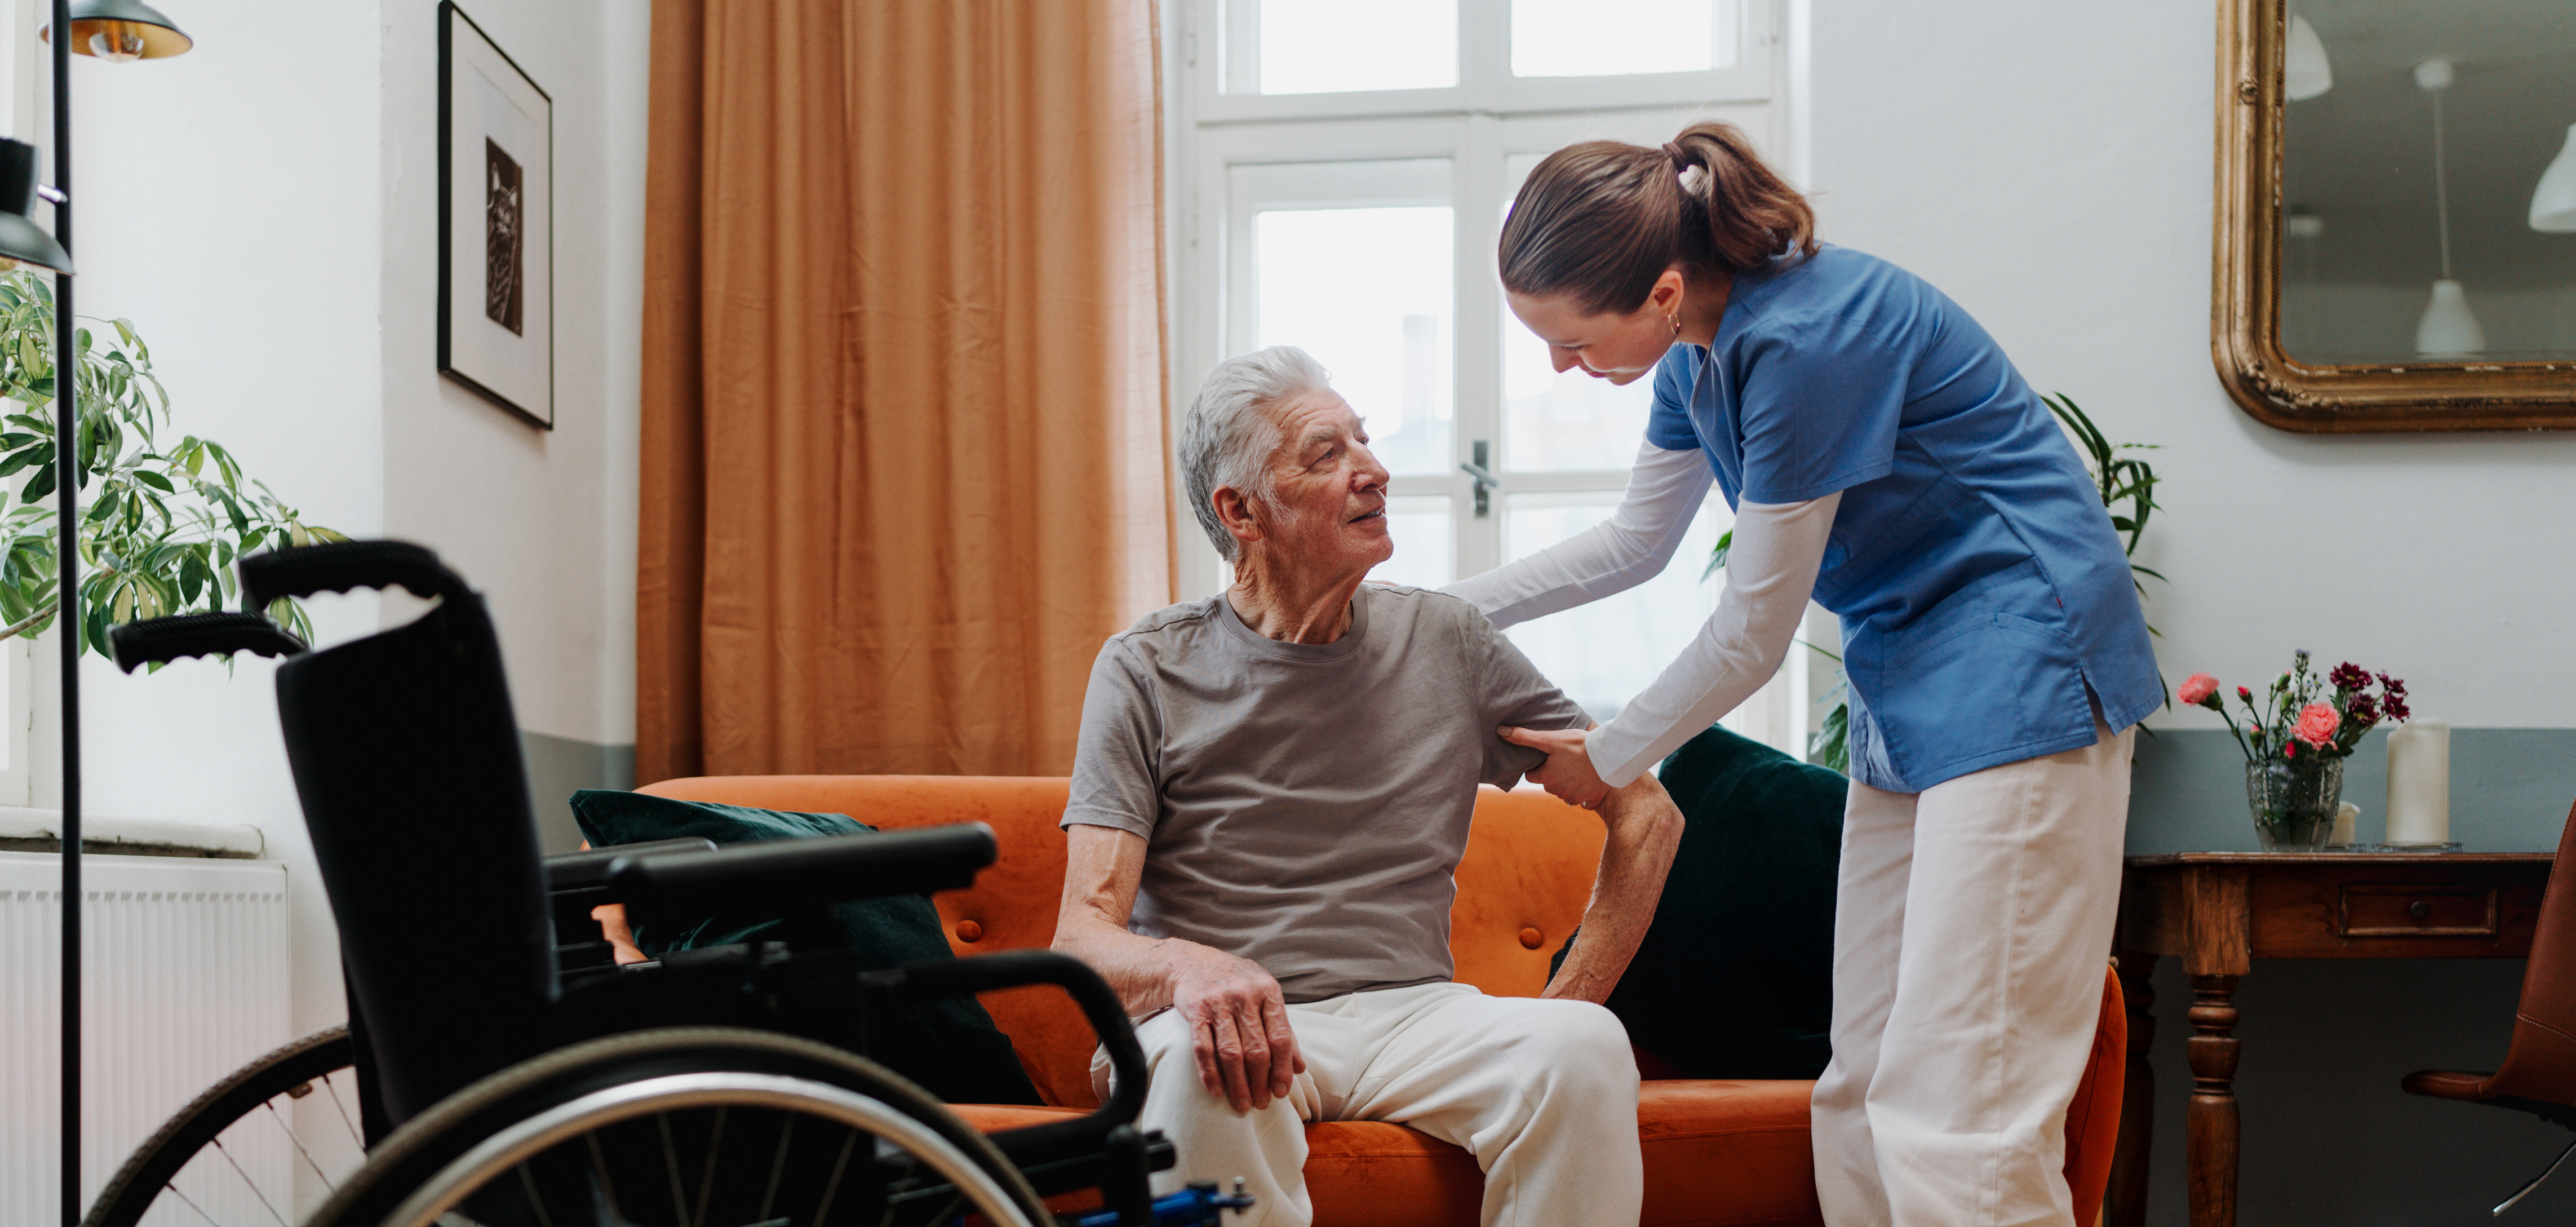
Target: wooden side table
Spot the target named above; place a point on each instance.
(2219, 911)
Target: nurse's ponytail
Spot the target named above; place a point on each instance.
(1602, 220)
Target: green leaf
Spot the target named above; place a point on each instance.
(155, 480)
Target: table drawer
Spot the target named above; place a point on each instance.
(2398, 910)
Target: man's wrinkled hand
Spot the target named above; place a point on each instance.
(1567, 774)
(1238, 1026)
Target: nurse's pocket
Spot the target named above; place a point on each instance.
(1960, 683)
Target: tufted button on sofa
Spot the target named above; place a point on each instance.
(1716, 1152)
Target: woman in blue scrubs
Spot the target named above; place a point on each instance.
(1884, 458)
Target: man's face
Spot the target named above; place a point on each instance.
(1329, 490)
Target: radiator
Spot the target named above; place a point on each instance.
(186, 980)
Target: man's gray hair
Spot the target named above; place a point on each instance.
(1231, 429)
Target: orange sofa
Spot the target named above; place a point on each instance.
(1716, 1152)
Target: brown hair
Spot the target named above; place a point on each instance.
(1601, 220)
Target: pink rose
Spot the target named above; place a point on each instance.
(2317, 724)
(2197, 689)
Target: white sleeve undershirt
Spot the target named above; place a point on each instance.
(1771, 571)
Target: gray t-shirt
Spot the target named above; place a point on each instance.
(1304, 805)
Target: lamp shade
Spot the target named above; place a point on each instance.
(2447, 329)
(20, 239)
(121, 31)
(2553, 203)
(2304, 71)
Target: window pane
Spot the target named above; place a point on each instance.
(1332, 46)
(1603, 653)
(1423, 547)
(1555, 421)
(1367, 292)
(1588, 38)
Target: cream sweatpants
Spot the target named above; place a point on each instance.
(1542, 1093)
(1971, 927)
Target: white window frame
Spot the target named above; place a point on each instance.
(1478, 125)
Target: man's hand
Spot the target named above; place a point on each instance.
(1238, 1019)
(1238, 1025)
(1568, 772)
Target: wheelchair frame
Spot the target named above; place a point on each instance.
(769, 1026)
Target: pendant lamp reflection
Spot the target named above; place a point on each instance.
(2447, 329)
(123, 31)
(22, 240)
(2304, 70)
(2553, 203)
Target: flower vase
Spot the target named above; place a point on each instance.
(2294, 801)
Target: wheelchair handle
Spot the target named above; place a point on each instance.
(339, 566)
(588, 869)
(161, 640)
(832, 869)
(1100, 1007)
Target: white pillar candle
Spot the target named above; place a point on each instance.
(2346, 815)
(2419, 783)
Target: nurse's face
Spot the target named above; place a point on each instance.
(1620, 348)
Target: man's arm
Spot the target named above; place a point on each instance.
(1645, 832)
(1238, 1018)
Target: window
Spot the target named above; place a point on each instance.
(1341, 172)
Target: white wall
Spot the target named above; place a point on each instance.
(264, 209)
(2049, 166)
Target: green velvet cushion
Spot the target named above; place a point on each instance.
(1735, 977)
(950, 1046)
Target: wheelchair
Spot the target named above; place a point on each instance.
(500, 1069)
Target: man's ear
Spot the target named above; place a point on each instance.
(1234, 509)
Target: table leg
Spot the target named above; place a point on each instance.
(2211, 1145)
(2127, 1204)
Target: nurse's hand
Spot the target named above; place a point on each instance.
(1568, 772)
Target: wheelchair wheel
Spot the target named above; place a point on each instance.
(690, 1127)
(234, 1154)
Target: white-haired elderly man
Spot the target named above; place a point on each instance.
(1272, 789)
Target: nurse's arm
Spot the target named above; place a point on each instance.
(1634, 545)
(1645, 830)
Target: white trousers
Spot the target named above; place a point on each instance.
(1972, 925)
(1542, 1093)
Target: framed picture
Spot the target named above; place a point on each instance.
(496, 321)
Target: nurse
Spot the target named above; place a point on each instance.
(1884, 457)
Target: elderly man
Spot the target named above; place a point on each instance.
(1272, 788)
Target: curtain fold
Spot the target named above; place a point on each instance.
(904, 412)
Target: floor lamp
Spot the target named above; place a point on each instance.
(118, 31)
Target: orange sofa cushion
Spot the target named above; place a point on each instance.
(1716, 1152)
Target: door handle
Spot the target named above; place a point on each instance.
(1486, 481)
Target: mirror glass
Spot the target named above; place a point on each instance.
(2428, 179)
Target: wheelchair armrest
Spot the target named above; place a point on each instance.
(789, 873)
(588, 868)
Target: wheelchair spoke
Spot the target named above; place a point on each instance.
(298, 1144)
(833, 1186)
(254, 1185)
(707, 1179)
(671, 1162)
(172, 1188)
(607, 1186)
(777, 1166)
(536, 1200)
(343, 1110)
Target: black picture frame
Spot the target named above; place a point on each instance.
(499, 344)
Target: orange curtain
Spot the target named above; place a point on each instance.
(903, 424)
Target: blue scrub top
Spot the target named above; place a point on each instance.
(1981, 587)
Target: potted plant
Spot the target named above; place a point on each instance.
(2295, 741)
(162, 523)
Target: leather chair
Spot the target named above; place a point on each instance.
(2539, 1071)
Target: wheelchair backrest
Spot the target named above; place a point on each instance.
(407, 758)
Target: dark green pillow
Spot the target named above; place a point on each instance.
(1735, 977)
(949, 1046)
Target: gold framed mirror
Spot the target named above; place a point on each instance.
(2396, 214)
